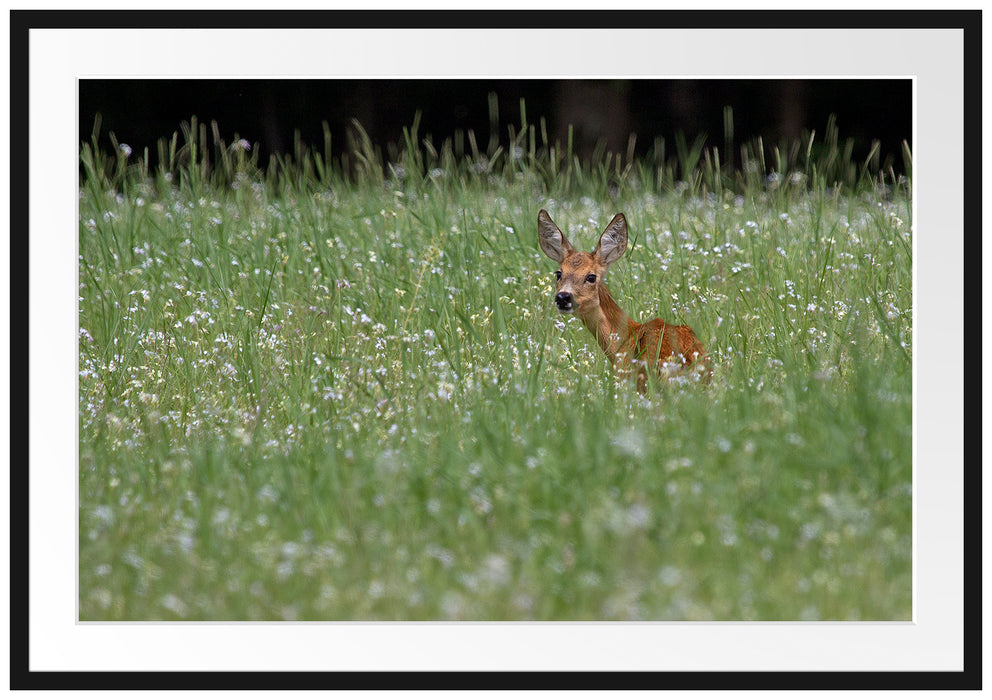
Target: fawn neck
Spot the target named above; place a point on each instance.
(608, 323)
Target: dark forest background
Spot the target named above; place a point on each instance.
(268, 113)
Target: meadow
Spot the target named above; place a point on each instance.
(339, 389)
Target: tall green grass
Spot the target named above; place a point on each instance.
(337, 387)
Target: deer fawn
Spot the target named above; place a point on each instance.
(580, 290)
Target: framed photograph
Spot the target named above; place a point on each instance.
(324, 384)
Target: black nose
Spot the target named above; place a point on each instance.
(564, 300)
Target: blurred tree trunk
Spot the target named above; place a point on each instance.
(597, 110)
(791, 109)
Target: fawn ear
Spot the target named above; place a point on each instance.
(552, 240)
(613, 242)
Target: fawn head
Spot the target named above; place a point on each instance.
(580, 274)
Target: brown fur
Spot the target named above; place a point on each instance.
(655, 344)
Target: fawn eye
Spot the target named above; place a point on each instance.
(557, 274)
(590, 279)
